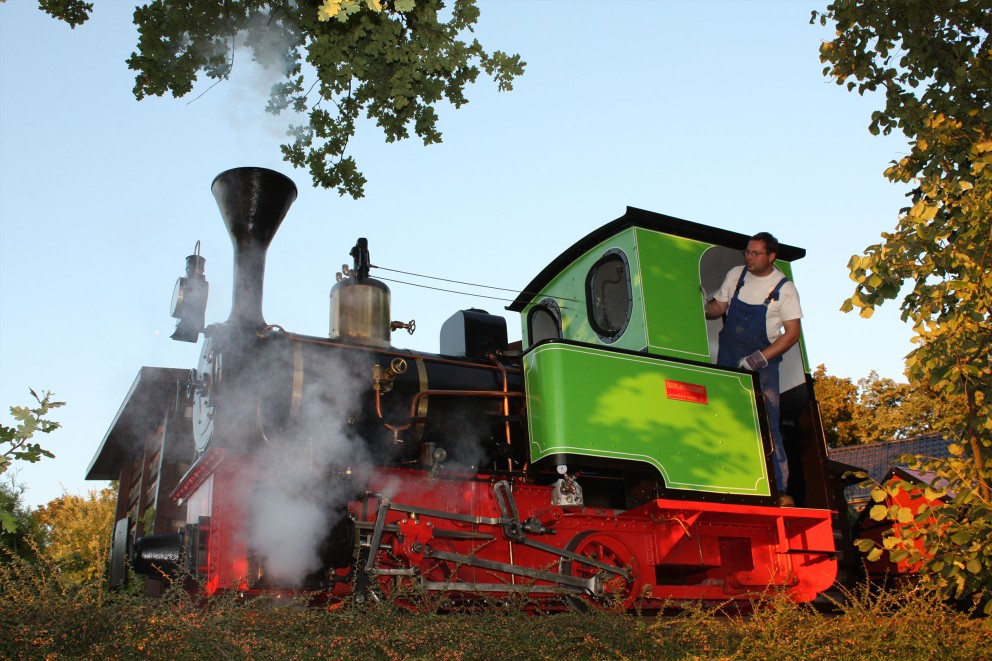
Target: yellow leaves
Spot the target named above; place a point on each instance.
(924, 210)
(878, 512)
(864, 545)
(866, 309)
(328, 10)
(981, 147)
(941, 120)
(342, 9)
(857, 265)
(979, 164)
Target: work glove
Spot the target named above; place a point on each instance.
(754, 362)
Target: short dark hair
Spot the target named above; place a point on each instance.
(771, 243)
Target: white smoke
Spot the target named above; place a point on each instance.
(287, 529)
(308, 474)
(262, 53)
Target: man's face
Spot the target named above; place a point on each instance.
(757, 258)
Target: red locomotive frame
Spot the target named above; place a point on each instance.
(481, 537)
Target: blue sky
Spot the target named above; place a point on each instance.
(712, 111)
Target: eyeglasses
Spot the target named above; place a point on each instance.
(752, 253)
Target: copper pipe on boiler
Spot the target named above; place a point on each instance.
(506, 406)
(386, 352)
(504, 394)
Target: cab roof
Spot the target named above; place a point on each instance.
(649, 220)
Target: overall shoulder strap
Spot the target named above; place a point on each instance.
(740, 283)
(774, 293)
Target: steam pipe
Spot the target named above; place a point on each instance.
(253, 203)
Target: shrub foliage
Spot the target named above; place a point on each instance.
(44, 617)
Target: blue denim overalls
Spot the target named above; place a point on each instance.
(744, 333)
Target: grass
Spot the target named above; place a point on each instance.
(42, 618)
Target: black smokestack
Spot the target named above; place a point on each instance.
(253, 202)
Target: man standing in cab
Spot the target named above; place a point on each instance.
(762, 316)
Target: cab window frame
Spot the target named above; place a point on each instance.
(596, 310)
(550, 307)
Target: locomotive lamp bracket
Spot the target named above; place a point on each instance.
(189, 299)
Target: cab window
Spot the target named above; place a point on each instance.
(608, 295)
(544, 322)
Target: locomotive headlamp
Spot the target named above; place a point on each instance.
(189, 299)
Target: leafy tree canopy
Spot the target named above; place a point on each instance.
(392, 61)
(873, 409)
(75, 536)
(931, 60)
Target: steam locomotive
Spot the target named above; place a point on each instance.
(605, 458)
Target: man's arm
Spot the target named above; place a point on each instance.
(784, 342)
(716, 309)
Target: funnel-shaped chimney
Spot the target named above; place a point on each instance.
(253, 202)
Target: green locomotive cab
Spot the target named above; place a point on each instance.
(621, 376)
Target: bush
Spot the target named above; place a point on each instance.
(45, 618)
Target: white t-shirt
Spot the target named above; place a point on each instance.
(756, 290)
